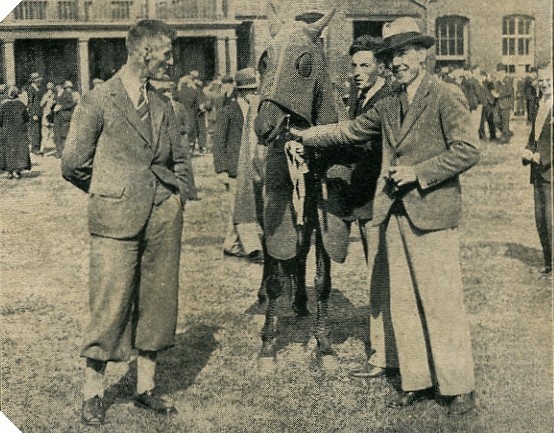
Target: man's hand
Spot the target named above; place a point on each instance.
(35, 118)
(402, 175)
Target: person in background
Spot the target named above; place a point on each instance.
(181, 118)
(532, 94)
(192, 99)
(426, 145)
(241, 240)
(31, 96)
(504, 93)
(124, 150)
(63, 112)
(14, 139)
(488, 101)
(47, 105)
(538, 154)
(519, 84)
(351, 184)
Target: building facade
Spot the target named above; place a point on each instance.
(84, 39)
(488, 32)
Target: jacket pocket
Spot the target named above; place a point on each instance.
(109, 191)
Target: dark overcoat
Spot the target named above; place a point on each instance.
(14, 140)
(227, 138)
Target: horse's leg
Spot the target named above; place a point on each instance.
(273, 284)
(323, 290)
(298, 280)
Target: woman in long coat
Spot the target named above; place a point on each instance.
(14, 142)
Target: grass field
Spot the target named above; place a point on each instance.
(212, 372)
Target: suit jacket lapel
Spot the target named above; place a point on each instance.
(123, 102)
(416, 108)
(156, 116)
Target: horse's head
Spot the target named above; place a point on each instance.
(294, 79)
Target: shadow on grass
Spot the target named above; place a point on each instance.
(177, 367)
(530, 256)
(344, 320)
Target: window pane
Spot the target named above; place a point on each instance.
(521, 46)
(504, 47)
(521, 25)
(511, 46)
(505, 26)
(452, 46)
(527, 45)
(511, 26)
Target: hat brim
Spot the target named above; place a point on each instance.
(399, 41)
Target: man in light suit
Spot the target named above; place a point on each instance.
(426, 144)
(538, 154)
(123, 149)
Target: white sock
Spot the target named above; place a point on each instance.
(94, 379)
(146, 370)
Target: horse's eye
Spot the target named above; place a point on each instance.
(304, 65)
(263, 63)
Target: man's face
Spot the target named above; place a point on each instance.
(364, 69)
(159, 58)
(405, 63)
(545, 81)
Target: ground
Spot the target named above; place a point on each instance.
(212, 373)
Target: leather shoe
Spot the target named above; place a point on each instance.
(368, 371)
(148, 400)
(93, 411)
(408, 398)
(460, 404)
(235, 253)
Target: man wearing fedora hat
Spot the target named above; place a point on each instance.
(32, 95)
(233, 128)
(426, 145)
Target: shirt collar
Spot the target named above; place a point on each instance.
(131, 83)
(412, 87)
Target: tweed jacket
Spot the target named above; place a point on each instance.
(113, 155)
(543, 146)
(435, 139)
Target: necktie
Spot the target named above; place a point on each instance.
(403, 104)
(143, 107)
(360, 102)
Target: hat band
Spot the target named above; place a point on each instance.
(247, 82)
(400, 38)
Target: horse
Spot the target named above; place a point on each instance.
(295, 91)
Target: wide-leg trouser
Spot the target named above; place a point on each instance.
(133, 288)
(427, 309)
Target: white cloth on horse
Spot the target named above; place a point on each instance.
(297, 169)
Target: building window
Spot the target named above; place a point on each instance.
(518, 34)
(452, 35)
(31, 10)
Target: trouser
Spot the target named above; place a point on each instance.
(543, 217)
(505, 115)
(47, 137)
(243, 238)
(427, 308)
(133, 288)
(383, 345)
(487, 116)
(34, 135)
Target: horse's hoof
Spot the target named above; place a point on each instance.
(267, 365)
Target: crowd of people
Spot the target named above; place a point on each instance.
(404, 193)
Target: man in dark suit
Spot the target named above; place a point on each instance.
(351, 184)
(531, 93)
(123, 150)
(426, 145)
(33, 95)
(240, 239)
(538, 154)
(504, 94)
(488, 101)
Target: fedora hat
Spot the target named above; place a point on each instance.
(35, 76)
(246, 79)
(67, 84)
(402, 32)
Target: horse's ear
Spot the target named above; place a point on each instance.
(275, 23)
(315, 29)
